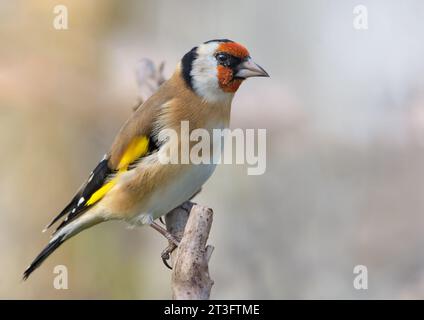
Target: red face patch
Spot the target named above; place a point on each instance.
(234, 48)
(226, 81)
(225, 74)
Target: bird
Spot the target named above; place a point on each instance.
(130, 183)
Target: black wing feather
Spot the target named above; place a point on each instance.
(77, 205)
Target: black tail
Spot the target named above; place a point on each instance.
(48, 250)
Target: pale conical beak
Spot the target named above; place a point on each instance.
(249, 68)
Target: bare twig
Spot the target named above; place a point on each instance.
(190, 277)
(149, 78)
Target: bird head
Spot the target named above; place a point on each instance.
(215, 69)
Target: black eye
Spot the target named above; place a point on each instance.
(223, 58)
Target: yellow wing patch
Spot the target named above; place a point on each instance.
(101, 192)
(137, 148)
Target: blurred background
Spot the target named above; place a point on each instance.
(344, 112)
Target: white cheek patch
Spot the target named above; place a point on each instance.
(204, 74)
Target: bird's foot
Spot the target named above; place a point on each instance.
(173, 243)
(161, 221)
(166, 254)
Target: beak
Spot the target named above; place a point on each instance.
(249, 68)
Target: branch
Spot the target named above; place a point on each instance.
(149, 78)
(190, 276)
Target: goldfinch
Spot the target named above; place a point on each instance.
(130, 183)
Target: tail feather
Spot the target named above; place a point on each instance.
(64, 233)
(47, 251)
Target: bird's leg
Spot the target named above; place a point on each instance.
(165, 233)
(173, 243)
